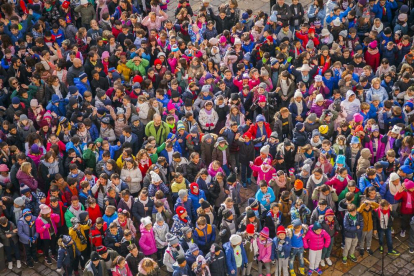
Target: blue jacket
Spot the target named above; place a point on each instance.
(70, 145)
(181, 271)
(82, 87)
(196, 199)
(60, 109)
(94, 132)
(67, 255)
(294, 110)
(350, 226)
(188, 205)
(262, 197)
(20, 34)
(206, 236)
(134, 142)
(343, 14)
(230, 260)
(25, 232)
(297, 242)
(112, 150)
(59, 36)
(377, 9)
(283, 252)
(386, 194)
(365, 182)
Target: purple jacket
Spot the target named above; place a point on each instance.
(380, 149)
(319, 109)
(265, 250)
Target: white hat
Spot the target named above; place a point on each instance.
(298, 94)
(305, 67)
(237, 41)
(235, 239)
(259, 23)
(396, 130)
(337, 22)
(318, 78)
(155, 178)
(325, 32)
(319, 98)
(394, 176)
(145, 221)
(84, 2)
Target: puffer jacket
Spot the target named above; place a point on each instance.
(171, 254)
(350, 226)
(231, 261)
(159, 233)
(147, 241)
(44, 233)
(265, 250)
(136, 178)
(74, 235)
(316, 242)
(25, 232)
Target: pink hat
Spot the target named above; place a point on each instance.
(105, 55)
(47, 115)
(409, 184)
(44, 209)
(373, 44)
(170, 106)
(223, 39)
(4, 168)
(358, 118)
(262, 99)
(265, 232)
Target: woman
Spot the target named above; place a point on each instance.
(55, 87)
(46, 226)
(49, 167)
(316, 12)
(124, 5)
(25, 177)
(132, 176)
(148, 267)
(120, 267)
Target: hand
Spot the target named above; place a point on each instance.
(233, 271)
(375, 232)
(358, 227)
(8, 235)
(117, 244)
(47, 226)
(263, 137)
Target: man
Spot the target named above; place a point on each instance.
(18, 71)
(90, 63)
(95, 266)
(158, 129)
(283, 12)
(75, 71)
(128, 136)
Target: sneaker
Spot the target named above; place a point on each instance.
(30, 266)
(394, 253)
(18, 264)
(328, 261)
(370, 252)
(411, 250)
(392, 231)
(244, 185)
(342, 245)
(323, 263)
(292, 272)
(310, 272)
(302, 270)
(48, 261)
(249, 181)
(35, 261)
(10, 266)
(381, 249)
(402, 234)
(319, 271)
(352, 257)
(361, 251)
(344, 260)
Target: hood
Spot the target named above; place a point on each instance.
(143, 229)
(366, 153)
(349, 93)
(175, 218)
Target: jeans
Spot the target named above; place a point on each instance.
(326, 252)
(296, 252)
(226, 169)
(387, 233)
(8, 250)
(246, 172)
(30, 250)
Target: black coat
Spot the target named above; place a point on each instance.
(193, 169)
(138, 210)
(218, 265)
(133, 262)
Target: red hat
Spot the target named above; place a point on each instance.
(262, 99)
(311, 30)
(180, 210)
(281, 230)
(329, 212)
(270, 38)
(250, 229)
(157, 61)
(65, 4)
(137, 78)
(359, 128)
(193, 186)
(247, 135)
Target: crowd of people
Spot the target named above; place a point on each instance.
(127, 137)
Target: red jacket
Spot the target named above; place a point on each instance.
(94, 213)
(372, 58)
(259, 161)
(404, 195)
(97, 236)
(253, 130)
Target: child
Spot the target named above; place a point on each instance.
(296, 235)
(299, 211)
(265, 195)
(316, 239)
(68, 255)
(147, 241)
(250, 246)
(382, 226)
(125, 222)
(233, 250)
(110, 214)
(264, 256)
(331, 226)
(353, 225)
(282, 248)
(160, 231)
(406, 194)
(8, 237)
(365, 210)
(27, 236)
(273, 219)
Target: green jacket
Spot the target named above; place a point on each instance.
(161, 135)
(90, 158)
(154, 157)
(69, 215)
(141, 67)
(357, 196)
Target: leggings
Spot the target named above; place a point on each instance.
(260, 267)
(49, 244)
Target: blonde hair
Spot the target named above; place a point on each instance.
(375, 80)
(26, 167)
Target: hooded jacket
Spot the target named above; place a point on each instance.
(351, 107)
(230, 260)
(147, 241)
(316, 242)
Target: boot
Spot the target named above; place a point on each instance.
(292, 272)
(302, 270)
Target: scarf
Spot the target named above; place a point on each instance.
(222, 148)
(352, 217)
(330, 224)
(394, 189)
(235, 118)
(208, 112)
(53, 168)
(409, 203)
(281, 184)
(143, 202)
(185, 220)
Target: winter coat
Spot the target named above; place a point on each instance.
(350, 226)
(28, 180)
(96, 236)
(67, 255)
(170, 256)
(206, 237)
(264, 250)
(89, 270)
(76, 239)
(189, 206)
(208, 122)
(136, 178)
(44, 233)
(218, 266)
(231, 262)
(162, 133)
(147, 241)
(5, 240)
(285, 250)
(404, 196)
(335, 229)
(219, 156)
(316, 242)
(117, 272)
(138, 210)
(25, 232)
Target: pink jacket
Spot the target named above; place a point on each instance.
(154, 25)
(380, 149)
(267, 176)
(316, 242)
(339, 186)
(147, 241)
(265, 250)
(116, 272)
(44, 233)
(212, 172)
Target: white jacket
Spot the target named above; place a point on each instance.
(136, 178)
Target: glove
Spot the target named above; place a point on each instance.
(233, 271)
(89, 222)
(47, 225)
(212, 248)
(289, 59)
(59, 270)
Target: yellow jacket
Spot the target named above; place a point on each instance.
(124, 70)
(76, 239)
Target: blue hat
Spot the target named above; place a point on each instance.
(55, 98)
(136, 85)
(247, 56)
(26, 213)
(317, 225)
(220, 139)
(101, 110)
(116, 76)
(15, 100)
(260, 118)
(208, 76)
(273, 17)
(354, 140)
(193, 247)
(296, 222)
(105, 120)
(72, 89)
(107, 102)
(340, 159)
(406, 169)
(358, 47)
(112, 70)
(409, 104)
(245, 16)
(82, 76)
(299, 126)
